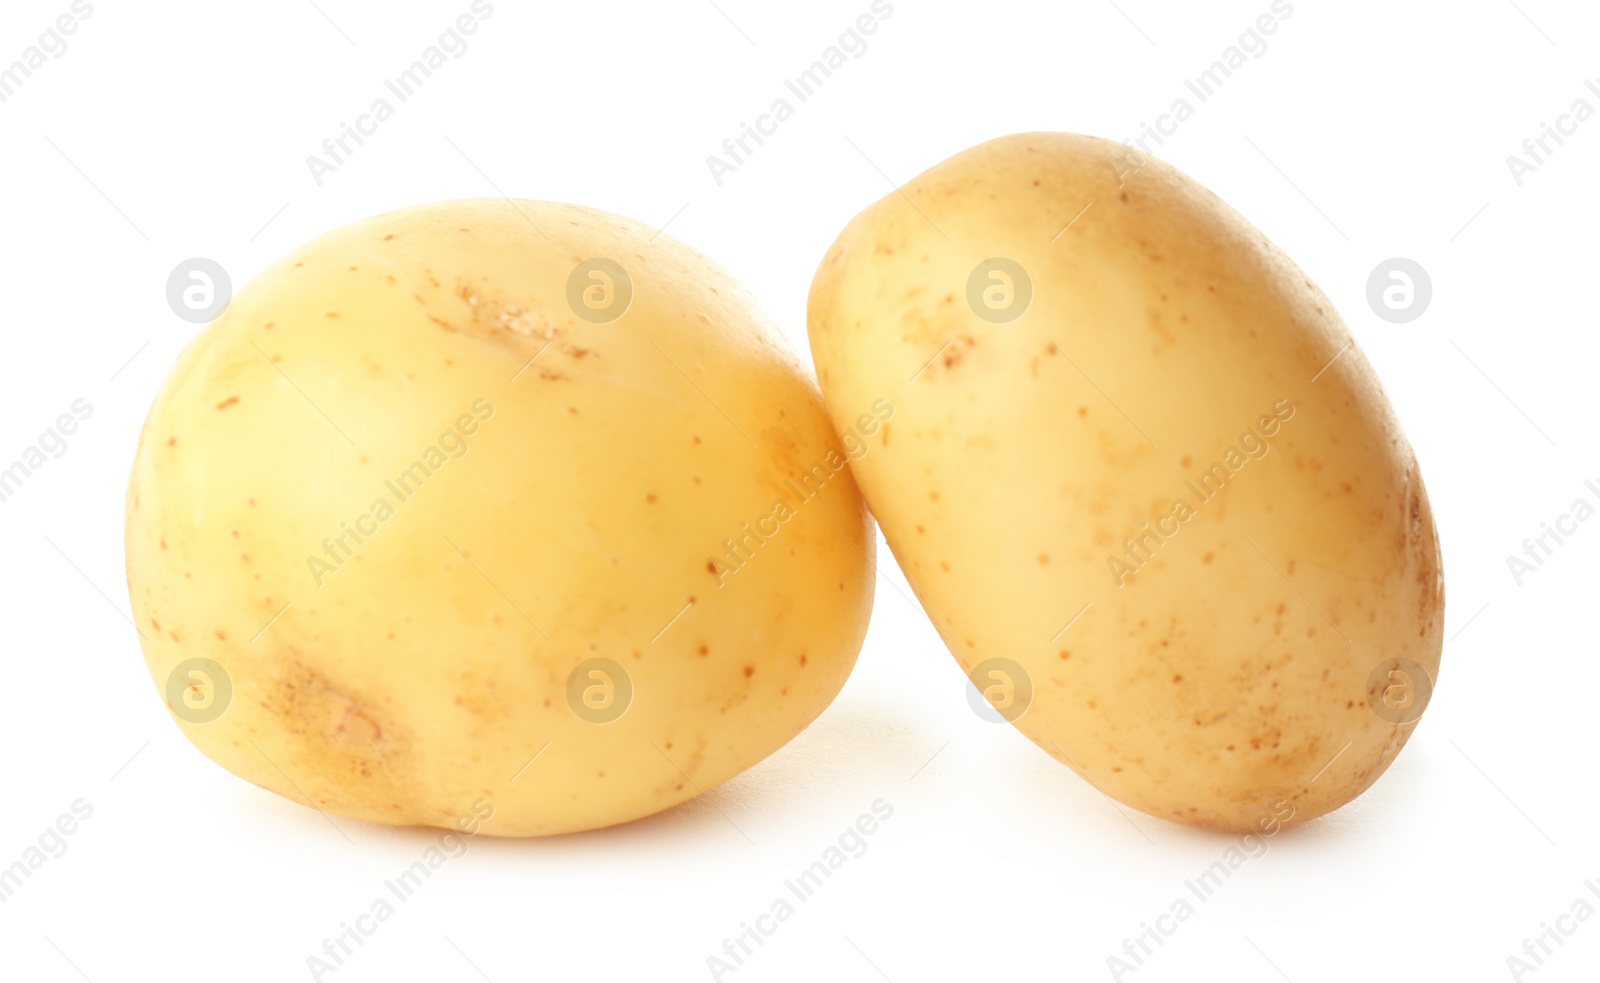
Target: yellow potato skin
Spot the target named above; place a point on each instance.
(606, 465)
(1212, 684)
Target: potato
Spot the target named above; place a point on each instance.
(1137, 459)
(462, 516)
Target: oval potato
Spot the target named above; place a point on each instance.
(1138, 458)
(394, 503)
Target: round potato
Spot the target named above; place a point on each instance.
(1150, 493)
(468, 515)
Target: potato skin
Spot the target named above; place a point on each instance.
(585, 519)
(1215, 675)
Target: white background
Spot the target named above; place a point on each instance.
(1367, 130)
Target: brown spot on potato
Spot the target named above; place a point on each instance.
(225, 404)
